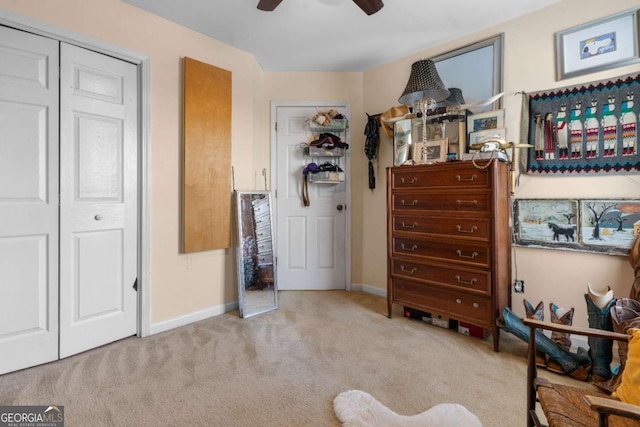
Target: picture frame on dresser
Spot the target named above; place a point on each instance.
(430, 151)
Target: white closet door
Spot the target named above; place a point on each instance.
(28, 200)
(98, 199)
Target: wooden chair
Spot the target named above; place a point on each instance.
(569, 406)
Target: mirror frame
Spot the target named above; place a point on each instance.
(244, 307)
(462, 61)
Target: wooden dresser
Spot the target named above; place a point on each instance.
(448, 240)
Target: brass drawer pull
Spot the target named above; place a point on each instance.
(476, 305)
(458, 301)
(466, 282)
(413, 180)
(413, 203)
(413, 269)
(472, 256)
(467, 202)
(412, 248)
(414, 225)
(461, 179)
(472, 230)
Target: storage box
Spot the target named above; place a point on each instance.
(473, 331)
(417, 314)
(442, 322)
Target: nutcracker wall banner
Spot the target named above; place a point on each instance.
(591, 128)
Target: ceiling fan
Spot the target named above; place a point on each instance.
(368, 6)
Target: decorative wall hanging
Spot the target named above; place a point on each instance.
(599, 45)
(585, 129)
(600, 225)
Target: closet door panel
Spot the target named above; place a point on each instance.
(28, 199)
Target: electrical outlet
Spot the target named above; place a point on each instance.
(518, 286)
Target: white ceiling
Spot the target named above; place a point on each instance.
(335, 35)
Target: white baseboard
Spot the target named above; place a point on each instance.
(369, 289)
(196, 316)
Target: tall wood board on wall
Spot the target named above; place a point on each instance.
(206, 195)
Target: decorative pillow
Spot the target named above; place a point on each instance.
(629, 389)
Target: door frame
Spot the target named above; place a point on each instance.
(274, 143)
(143, 64)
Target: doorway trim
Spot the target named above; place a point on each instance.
(143, 63)
(274, 143)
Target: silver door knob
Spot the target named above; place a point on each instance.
(339, 207)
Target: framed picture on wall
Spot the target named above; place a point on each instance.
(598, 45)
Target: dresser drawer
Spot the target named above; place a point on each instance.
(451, 277)
(471, 228)
(461, 252)
(456, 305)
(478, 202)
(456, 175)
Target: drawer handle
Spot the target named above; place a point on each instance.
(412, 248)
(472, 256)
(458, 301)
(413, 203)
(413, 269)
(470, 231)
(476, 305)
(466, 282)
(471, 179)
(413, 180)
(467, 202)
(414, 225)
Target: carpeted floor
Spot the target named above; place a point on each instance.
(282, 368)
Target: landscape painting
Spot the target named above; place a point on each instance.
(609, 223)
(551, 222)
(608, 226)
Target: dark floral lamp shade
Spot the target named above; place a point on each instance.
(424, 83)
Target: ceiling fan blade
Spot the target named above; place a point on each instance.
(369, 6)
(268, 5)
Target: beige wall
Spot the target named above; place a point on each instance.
(181, 284)
(529, 65)
(184, 284)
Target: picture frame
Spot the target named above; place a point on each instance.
(475, 69)
(606, 226)
(430, 151)
(598, 45)
(487, 120)
(476, 137)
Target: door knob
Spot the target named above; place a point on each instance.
(339, 207)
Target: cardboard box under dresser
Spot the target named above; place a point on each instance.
(448, 240)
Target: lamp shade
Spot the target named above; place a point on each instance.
(424, 82)
(455, 97)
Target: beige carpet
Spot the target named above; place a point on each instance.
(282, 368)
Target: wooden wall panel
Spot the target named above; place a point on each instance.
(207, 192)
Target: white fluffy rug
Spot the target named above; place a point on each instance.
(355, 408)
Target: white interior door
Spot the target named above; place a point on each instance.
(311, 239)
(28, 200)
(98, 199)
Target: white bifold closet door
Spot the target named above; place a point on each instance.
(68, 199)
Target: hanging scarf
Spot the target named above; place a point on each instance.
(371, 146)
